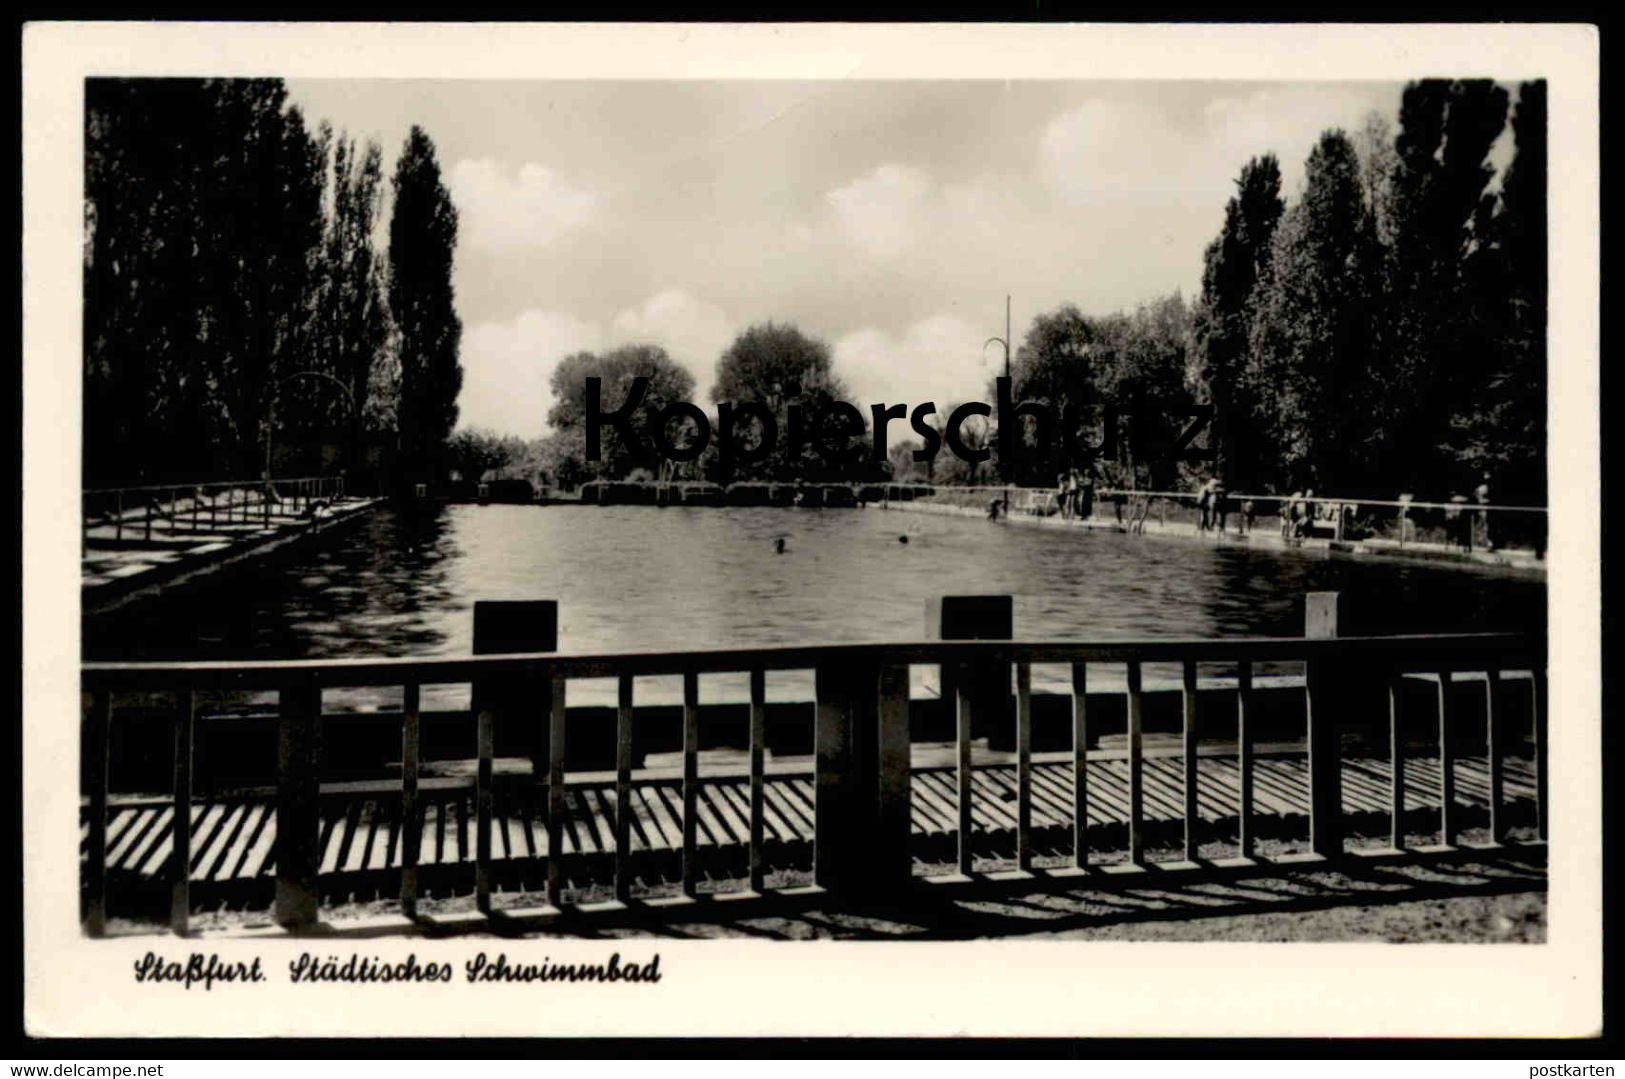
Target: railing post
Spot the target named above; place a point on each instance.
(411, 829)
(965, 777)
(94, 745)
(1539, 694)
(1136, 792)
(1396, 754)
(1189, 700)
(555, 794)
(836, 783)
(623, 789)
(986, 618)
(298, 822)
(758, 740)
(1244, 755)
(1449, 818)
(1495, 751)
(891, 868)
(482, 812)
(506, 627)
(1321, 610)
(180, 898)
(691, 782)
(1024, 767)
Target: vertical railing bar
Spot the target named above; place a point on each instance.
(1244, 755)
(1447, 764)
(95, 744)
(411, 828)
(482, 811)
(1495, 751)
(1188, 699)
(623, 790)
(691, 781)
(962, 729)
(180, 895)
(758, 739)
(1136, 829)
(1024, 767)
(555, 792)
(1080, 765)
(1396, 754)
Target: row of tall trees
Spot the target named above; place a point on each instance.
(1385, 332)
(237, 299)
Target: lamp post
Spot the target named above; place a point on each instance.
(1005, 341)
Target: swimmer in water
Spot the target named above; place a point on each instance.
(778, 545)
(902, 539)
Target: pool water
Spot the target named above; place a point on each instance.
(404, 584)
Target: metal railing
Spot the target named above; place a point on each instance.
(861, 767)
(197, 506)
(1399, 522)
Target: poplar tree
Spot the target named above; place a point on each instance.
(1233, 265)
(422, 244)
(1310, 361)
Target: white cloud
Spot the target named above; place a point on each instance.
(1136, 154)
(935, 359)
(506, 368)
(500, 210)
(880, 213)
(691, 330)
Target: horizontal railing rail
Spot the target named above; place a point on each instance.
(861, 763)
(352, 672)
(198, 505)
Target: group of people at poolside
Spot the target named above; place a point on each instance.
(1299, 512)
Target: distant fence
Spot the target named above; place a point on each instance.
(1400, 522)
(861, 769)
(131, 511)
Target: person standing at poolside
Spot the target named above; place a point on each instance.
(1481, 495)
(1221, 510)
(1204, 503)
(1084, 496)
(1457, 525)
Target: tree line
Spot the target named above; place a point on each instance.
(241, 309)
(1382, 333)
(1386, 332)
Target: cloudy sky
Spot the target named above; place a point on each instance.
(888, 218)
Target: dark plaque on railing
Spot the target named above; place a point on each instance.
(510, 626)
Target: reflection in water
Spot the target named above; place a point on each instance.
(404, 583)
